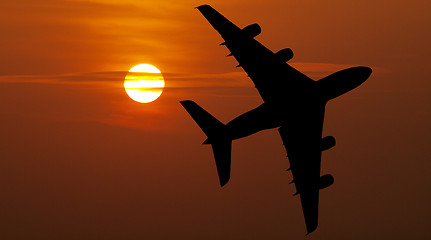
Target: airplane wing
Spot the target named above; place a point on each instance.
(302, 139)
(279, 84)
(267, 70)
(226, 28)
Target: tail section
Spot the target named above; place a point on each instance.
(222, 156)
(217, 137)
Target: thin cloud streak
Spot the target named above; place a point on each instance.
(174, 80)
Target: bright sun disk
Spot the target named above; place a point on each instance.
(144, 83)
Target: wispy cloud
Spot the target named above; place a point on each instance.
(72, 78)
(173, 80)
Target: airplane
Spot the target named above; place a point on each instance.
(292, 102)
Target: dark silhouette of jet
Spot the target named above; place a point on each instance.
(292, 101)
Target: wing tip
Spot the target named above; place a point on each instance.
(224, 181)
(310, 231)
(186, 102)
(203, 6)
(311, 228)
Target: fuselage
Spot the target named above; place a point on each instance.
(288, 97)
(291, 101)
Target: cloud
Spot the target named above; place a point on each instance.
(173, 80)
(72, 78)
(51, 37)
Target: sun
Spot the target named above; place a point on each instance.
(144, 83)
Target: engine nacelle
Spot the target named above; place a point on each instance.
(285, 54)
(252, 30)
(326, 181)
(327, 143)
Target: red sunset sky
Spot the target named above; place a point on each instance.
(80, 160)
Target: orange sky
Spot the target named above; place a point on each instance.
(80, 160)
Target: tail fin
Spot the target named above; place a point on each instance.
(217, 137)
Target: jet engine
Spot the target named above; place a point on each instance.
(252, 30)
(326, 181)
(327, 143)
(285, 54)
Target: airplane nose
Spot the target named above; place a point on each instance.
(360, 74)
(365, 71)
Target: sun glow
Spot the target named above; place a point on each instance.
(144, 83)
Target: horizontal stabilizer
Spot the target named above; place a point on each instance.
(220, 142)
(222, 156)
(207, 122)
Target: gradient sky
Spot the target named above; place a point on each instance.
(80, 160)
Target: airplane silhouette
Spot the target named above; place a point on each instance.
(292, 101)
